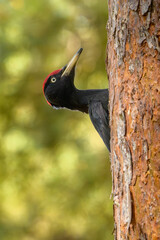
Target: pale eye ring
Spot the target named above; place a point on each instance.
(53, 79)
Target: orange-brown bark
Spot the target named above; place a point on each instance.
(133, 66)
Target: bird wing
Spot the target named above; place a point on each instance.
(100, 119)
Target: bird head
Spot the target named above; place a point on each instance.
(58, 87)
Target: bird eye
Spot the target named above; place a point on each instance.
(53, 79)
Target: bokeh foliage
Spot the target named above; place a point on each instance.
(55, 173)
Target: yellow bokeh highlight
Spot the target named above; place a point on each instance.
(17, 4)
(18, 63)
(16, 140)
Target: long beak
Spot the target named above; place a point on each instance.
(72, 63)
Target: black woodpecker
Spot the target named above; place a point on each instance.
(60, 92)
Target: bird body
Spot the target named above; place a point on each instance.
(60, 92)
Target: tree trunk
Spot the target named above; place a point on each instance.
(133, 66)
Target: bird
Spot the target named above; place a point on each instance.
(60, 92)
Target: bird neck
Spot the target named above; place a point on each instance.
(81, 99)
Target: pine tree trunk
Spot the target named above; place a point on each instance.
(133, 66)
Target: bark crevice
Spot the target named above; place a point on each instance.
(133, 68)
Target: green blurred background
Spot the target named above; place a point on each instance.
(55, 180)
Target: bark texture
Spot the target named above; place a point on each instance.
(133, 65)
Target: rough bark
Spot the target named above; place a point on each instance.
(133, 65)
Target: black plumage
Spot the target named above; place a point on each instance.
(60, 92)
